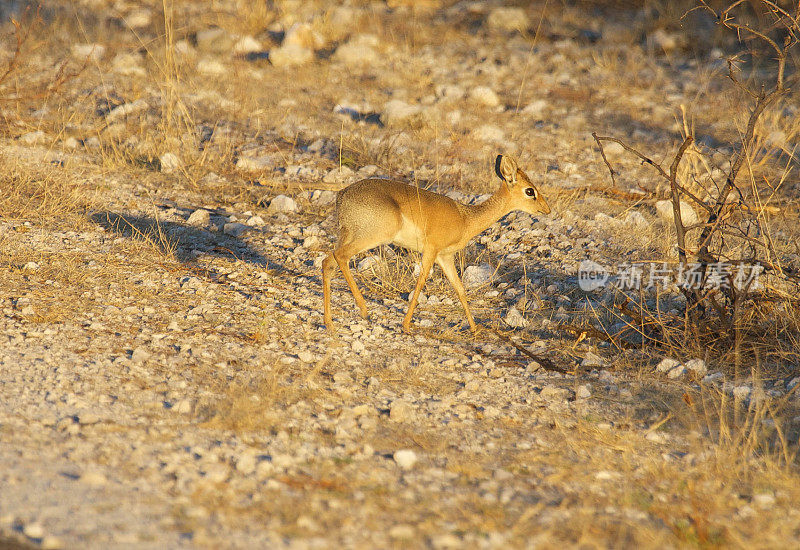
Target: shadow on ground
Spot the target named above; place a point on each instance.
(184, 242)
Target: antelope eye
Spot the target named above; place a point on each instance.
(530, 191)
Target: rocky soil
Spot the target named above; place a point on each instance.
(165, 376)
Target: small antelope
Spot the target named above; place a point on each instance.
(373, 212)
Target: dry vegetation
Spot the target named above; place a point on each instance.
(99, 264)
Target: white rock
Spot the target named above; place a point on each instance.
(211, 67)
(94, 478)
(635, 218)
(138, 18)
(515, 319)
(368, 262)
(303, 35)
(488, 133)
(485, 96)
(32, 138)
(217, 472)
(554, 393)
(247, 44)
(30, 266)
(290, 55)
(246, 463)
(358, 346)
(508, 19)
(92, 52)
(401, 531)
(477, 275)
(256, 164)
(396, 112)
(215, 40)
(128, 64)
(282, 203)
(765, 501)
(667, 364)
(688, 215)
(405, 458)
(358, 51)
(306, 356)
(401, 411)
(255, 221)
(234, 229)
(535, 108)
(339, 175)
(713, 377)
(742, 392)
(676, 372)
(51, 542)
(312, 241)
(126, 109)
(33, 530)
(592, 360)
(169, 163)
(184, 406)
(697, 367)
(199, 218)
(584, 391)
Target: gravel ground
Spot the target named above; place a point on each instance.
(165, 376)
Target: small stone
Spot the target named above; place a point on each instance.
(536, 108)
(282, 203)
(31, 266)
(742, 392)
(508, 19)
(667, 364)
(477, 275)
(405, 458)
(676, 372)
(765, 501)
(688, 215)
(635, 218)
(401, 411)
(338, 175)
(50, 542)
(140, 355)
(515, 319)
(183, 406)
(368, 263)
(555, 394)
(247, 44)
(592, 360)
(94, 478)
(290, 55)
(234, 229)
(584, 391)
(211, 67)
(485, 96)
(92, 52)
(358, 51)
(169, 163)
(489, 133)
(696, 367)
(255, 221)
(446, 541)
(127, 109)
(217, 473)
(401, 531)
(396, 112)
(199, 218)
(32, 138)
(33, 530)
(215, 40)
(246, 463)
(303, 35)
(358, 346)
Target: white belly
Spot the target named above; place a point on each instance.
(410, 236)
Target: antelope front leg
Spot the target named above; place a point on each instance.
(449, 268)
(427, 264)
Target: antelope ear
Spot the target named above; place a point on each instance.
(506, 168)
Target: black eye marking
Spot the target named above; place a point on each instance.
(531, 192)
